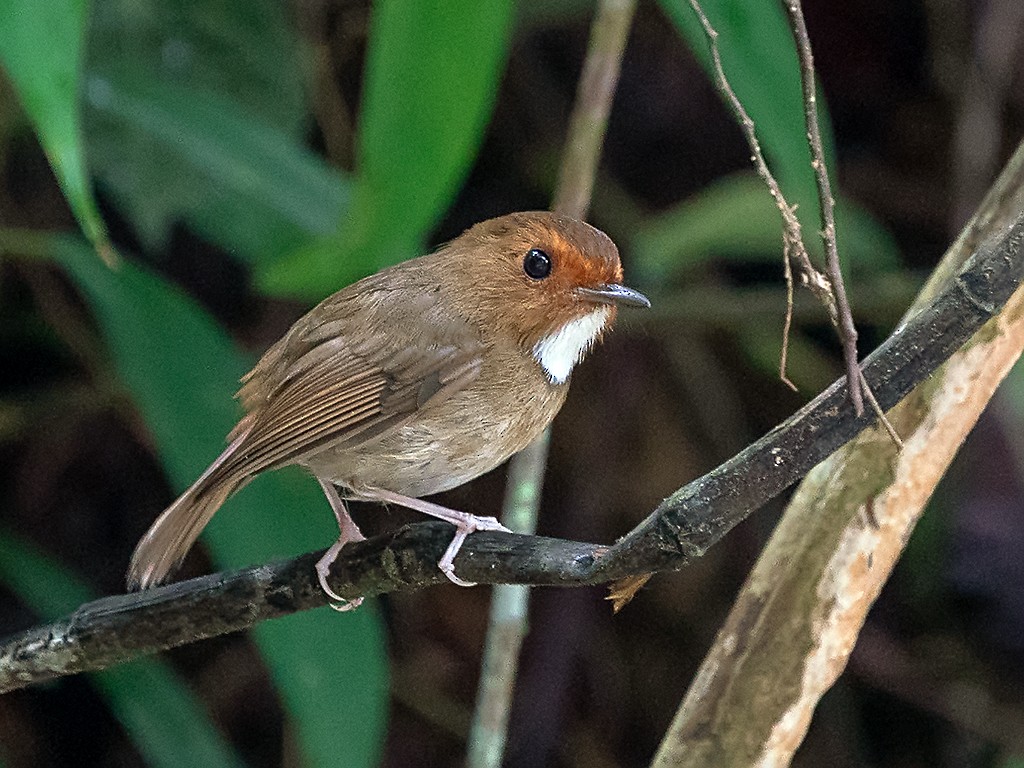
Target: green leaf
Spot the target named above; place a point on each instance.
(182, 369)
(41, 50)
(196, 112)
(761, 64)
(152, 703)
(243, 182)
(735, 217)
(432, 74)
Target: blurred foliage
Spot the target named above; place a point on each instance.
(195, 112)
(734, 216)
(432, 73)
(151, 701)
(41, 51)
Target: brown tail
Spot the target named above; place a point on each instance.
(159, 553)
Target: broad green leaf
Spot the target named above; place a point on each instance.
(247, 51)
(761, 64)
(41, 51)
(432, 74)
(182, 369)
(736, 217)
(243, 182)
(195, 112)
(153, 704)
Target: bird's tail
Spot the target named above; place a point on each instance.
(159, 553)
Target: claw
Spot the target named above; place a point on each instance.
(349, 532)
(323, 570)
(450, 573)
(469, 524)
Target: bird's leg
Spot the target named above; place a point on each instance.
(349, 531)
(464, 523)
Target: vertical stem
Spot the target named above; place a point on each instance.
(847, 330)
(508, 619)
(593, 103)
(509, 606)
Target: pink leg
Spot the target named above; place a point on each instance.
(349, 532)
(464, 523)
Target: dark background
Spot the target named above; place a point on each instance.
(936, 677)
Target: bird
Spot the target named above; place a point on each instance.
(413, 381)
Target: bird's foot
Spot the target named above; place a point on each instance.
(323, 570)
(464, 523)
(349, 532)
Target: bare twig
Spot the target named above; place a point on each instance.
(526, 471)
(829, 289)
(792, 240)
(787, 269)
(845, 327)
(593, 103)
(877, 410)
(681, 529)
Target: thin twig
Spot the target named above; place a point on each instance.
(829, 289)
(509, 603)
(593, 103)
(879, 413)
(845, 327)
(793, 245)
(682, 528)
(787, 325)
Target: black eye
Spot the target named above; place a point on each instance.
(537, 264)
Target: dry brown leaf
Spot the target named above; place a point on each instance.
(624, 590)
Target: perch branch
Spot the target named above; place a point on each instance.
(115, 629)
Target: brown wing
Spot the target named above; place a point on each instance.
(329, 382)
(359, 364)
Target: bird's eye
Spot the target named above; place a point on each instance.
(537, 264)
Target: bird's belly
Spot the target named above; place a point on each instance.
(428, 454)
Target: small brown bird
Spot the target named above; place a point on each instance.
(414, 380)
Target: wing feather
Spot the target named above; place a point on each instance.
(318, 389)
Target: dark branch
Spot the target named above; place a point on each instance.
(115, 629)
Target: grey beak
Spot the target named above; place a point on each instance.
(615, 294)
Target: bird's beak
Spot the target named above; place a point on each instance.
(615, 294)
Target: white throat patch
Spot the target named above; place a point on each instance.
(559, 352)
